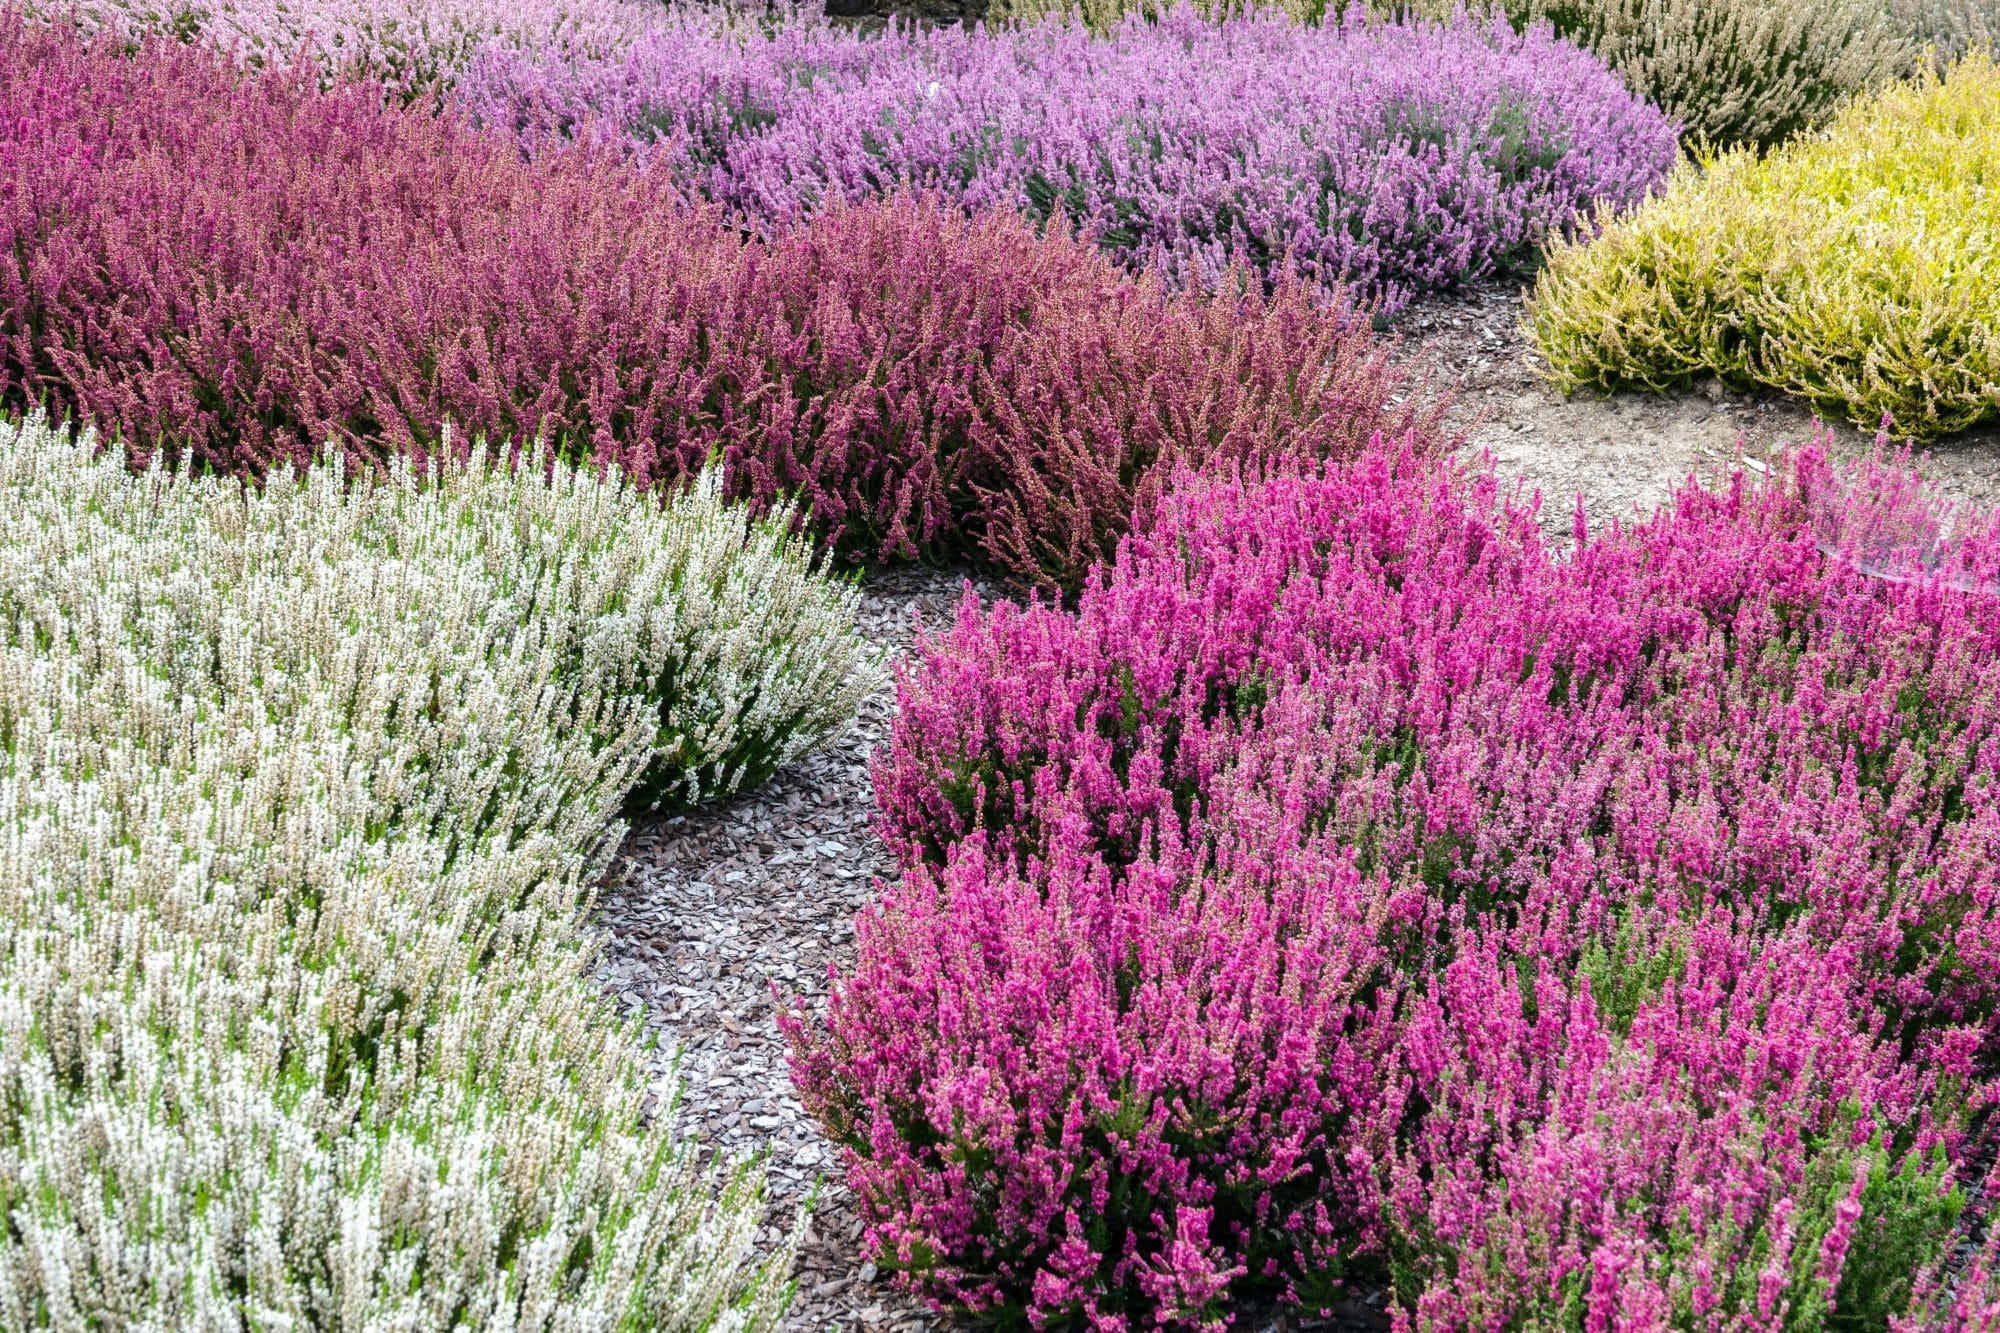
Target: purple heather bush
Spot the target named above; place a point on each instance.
(240, 265)
(1393, 156)
(1352, 889)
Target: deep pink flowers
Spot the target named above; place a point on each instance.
(1351, 887)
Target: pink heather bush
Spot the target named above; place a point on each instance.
(243, 266)
(1395, 156)
(1351, 889)
(416, 49)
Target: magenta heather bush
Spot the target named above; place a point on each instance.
(1352, 889)
(1396, 156)
(929, 384)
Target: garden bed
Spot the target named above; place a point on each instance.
(768, 883)
(1625, 452)
(1322, 885)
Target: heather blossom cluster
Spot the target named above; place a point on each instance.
(1394, 156)
(925, 383)
(1352, 890)
(304, 793)
(414, 49)
(1337, 886)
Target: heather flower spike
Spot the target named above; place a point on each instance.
(1354, 889)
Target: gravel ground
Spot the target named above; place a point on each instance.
(708, 911)
(1623, 454)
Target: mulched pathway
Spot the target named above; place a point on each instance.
(707, 911)
(711, 909)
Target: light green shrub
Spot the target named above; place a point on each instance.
(1859, 269)
(301, 795)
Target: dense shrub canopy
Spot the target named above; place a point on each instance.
(925, 383)
(415, 49)
(1856, 269)
(1950, 28)
(1351, 888)
(1736, 72)
(303, 792)
(1728, 72)
(1396, 157)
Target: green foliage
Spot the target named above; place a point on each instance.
(1626, 970)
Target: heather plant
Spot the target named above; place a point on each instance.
(1564, 1171)
(1392, 157)
(415, 49)
(1350, 889)
(1736, 72)
(1962, 1294)
(1729, 72)
(1104, 15)
(1948, 28)
(304, 793)
(925, 384)
(754, 660)
(1855, 269)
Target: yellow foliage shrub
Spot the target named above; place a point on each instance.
(1858, 269)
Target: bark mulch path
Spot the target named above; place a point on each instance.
(707, 910)
(710, 909)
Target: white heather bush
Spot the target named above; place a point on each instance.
(416, 48)
(748, 649)
(1949, 27)
(301, 795)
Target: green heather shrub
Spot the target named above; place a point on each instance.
(302, 793)
(1736, 72)
(1859, 269)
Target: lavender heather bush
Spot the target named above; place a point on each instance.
(925, 384)
(1394, 156)
(1351, 889)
